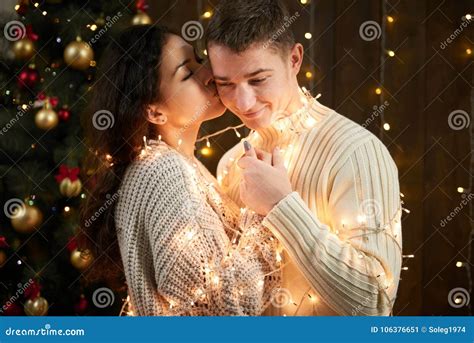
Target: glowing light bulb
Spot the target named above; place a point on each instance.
(207, 14)
(459, 264)
(386, 126)
(378, 90)
(468, 51)
(206, 151)
(390, 19)
(309, 75)
(391, 53)
(308, 35)
(460, 190)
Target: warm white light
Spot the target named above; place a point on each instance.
(459, 264)
(308, 35)
(67, 209)
(391, 53)
(468, 17)
(207, 14)
(460, 190)
(386, 126)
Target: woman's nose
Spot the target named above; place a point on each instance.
(205, 75)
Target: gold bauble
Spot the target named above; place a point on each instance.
(36, 307)
(3, 258)
(46, 118)
(78, 55)
(27, 219)
(141, 18)
(70, 188)
(23, 49)
(81, 259)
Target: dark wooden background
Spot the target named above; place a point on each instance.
(423, 85)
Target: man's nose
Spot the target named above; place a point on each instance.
(244, 99)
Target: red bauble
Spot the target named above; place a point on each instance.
(28, 78)
(82, 306)
(13, 309)
(64, 114)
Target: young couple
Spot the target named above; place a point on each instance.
(305, 218)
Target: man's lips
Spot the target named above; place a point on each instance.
(253, 114)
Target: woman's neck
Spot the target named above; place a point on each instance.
(182, 139)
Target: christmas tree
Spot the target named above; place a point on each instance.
(48, 65)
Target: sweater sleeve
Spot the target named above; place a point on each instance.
(353, 260)
(198, 269)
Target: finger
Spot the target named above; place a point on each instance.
(246, 161)
(249, 150)
(242, 191)
(264, 156)
(277, 159)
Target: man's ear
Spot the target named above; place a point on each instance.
(296, 57)
(155, 116)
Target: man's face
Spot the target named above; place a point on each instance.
(256, 84)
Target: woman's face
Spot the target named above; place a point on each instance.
(188, 93)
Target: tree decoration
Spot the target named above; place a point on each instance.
(69, 183)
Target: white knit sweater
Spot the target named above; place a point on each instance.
(341, 226)
(184, 248)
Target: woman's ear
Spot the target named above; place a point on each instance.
(296, 57)
(155, 116)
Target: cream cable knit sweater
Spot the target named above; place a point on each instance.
(182, 248)
(341, 227)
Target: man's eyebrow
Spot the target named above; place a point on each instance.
(181, 65)
(256, 72)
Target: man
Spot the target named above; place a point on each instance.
(338, 215)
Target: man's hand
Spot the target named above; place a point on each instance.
(265, 180)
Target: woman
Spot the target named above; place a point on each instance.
(185, 247)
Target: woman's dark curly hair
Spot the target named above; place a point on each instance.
(114, 125)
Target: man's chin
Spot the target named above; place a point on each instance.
(257, 124)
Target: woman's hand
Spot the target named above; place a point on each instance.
(264, 181)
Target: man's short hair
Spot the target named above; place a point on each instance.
(238, 24)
